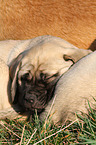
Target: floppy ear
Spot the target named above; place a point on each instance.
(13, 72)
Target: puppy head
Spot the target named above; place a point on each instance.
(32, 87)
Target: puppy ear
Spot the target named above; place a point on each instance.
(68, 58)
(13, 72)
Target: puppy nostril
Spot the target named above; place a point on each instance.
(32, 101)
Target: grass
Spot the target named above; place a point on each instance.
(22, 132)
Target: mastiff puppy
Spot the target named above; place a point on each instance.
(35, 66)
(35, 72)
(73, 89)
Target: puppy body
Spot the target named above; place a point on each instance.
(4, 76)
(73, 89)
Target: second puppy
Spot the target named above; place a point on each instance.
(73, 90)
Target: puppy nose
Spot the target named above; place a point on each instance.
(30, 98)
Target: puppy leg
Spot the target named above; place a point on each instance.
(4, 77)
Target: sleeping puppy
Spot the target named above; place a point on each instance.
(35, 72)
(73, 89)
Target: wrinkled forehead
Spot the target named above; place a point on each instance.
(46, 58)
(51, 49)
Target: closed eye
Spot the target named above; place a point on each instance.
(25, 77)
